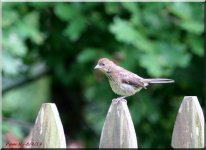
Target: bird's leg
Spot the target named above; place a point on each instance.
(117, 100)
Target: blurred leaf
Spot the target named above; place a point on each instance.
(9, 17)
(30, 28)
(75, 29)
(25, 102)
(151, 63)
(177, 9)
(131, 7)
(112, 8)
(125, 33)
(87, 55)
(11, 65)
(193, 27)
(153, 20)
(196, 45)
(64, 11)
(19, 49)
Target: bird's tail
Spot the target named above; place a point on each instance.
(160, 80)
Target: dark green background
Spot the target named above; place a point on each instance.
(50, 50)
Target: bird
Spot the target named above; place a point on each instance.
(123, 82)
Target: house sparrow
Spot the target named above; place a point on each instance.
(124, 82)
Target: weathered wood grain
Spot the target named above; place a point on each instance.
(118, 130)
(188, 130)
(48, 130)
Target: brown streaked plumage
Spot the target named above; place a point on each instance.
(124, 82)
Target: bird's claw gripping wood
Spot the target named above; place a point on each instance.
(117, 100)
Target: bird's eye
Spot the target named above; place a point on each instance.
(102, 64)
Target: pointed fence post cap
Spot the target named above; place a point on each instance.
(118, 130)
(48, 130)
(188, 130)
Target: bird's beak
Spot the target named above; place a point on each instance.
(97, 67)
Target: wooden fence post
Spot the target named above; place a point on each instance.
(118, 130)
(188, 130)
(48, 130)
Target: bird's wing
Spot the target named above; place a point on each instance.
(132, 79)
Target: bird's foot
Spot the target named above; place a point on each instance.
(117, 100)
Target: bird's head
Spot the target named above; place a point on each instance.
(104, 65)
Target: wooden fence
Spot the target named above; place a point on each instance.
(118, 130)
(48, 130)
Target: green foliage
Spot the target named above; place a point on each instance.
(19, 24)
(150, 39)
(34, 94)
(159, 57)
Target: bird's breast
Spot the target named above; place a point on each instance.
(121, 88)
